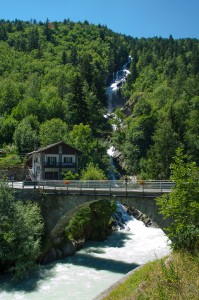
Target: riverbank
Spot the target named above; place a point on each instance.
(172, 277)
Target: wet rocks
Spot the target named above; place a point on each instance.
(141, 217)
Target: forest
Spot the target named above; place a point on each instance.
(53, 79)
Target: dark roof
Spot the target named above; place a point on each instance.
(51, 146)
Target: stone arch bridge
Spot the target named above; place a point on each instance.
(59, 197)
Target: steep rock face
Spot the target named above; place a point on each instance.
(91, 220)
(132, 211)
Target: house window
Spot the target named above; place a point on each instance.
(68, 159)
(52, 160)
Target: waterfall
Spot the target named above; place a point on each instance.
(114, 101)
(119, 78)
(112, 174)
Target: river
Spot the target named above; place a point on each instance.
(92, 269)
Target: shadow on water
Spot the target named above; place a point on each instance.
(86, 257)
(99, 263)
(29, 283)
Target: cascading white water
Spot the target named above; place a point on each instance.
(114, 101)
(92, 269)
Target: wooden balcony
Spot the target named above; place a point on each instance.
(60, 165)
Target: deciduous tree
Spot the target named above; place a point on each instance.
(181, 205)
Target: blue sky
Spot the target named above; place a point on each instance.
(138, 18)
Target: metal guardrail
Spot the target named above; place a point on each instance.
(108, 185)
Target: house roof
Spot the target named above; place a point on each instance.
(51, 146)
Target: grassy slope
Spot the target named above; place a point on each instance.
(174, 277)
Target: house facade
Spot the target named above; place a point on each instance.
(50, 162)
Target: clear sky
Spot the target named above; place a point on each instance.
(138, 18)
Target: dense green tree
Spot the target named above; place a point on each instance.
(48, 30)
(192, 132)
(26, 134)
(21, 228)
(81, 137)
(160, 154)
(64, 57)
(77, 109)
(53, 131)
(62, 86)
(95, 109)
(7, 126)
(3, 33)
(33, 42)
(137, 140)
(33, 87)
(25, 108)
(181, 206)
(9, 95)
(92, 172)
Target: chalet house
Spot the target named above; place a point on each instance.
(50, 162)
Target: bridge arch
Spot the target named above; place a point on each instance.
(56, 203)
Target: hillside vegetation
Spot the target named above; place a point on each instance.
(53, 79)
(174, 277)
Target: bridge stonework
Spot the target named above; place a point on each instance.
(55, 204)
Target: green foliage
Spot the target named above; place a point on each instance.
(61, 69)
(92, 172)
(26, 134)
(10, 160)
(81, 138)
(53, 131)
(21, 228)
(182, 204)
(7, 126)
(91, 221)
(76, 227)
(70, 175)
(137, 141)
(9, 157)
(160, 155)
